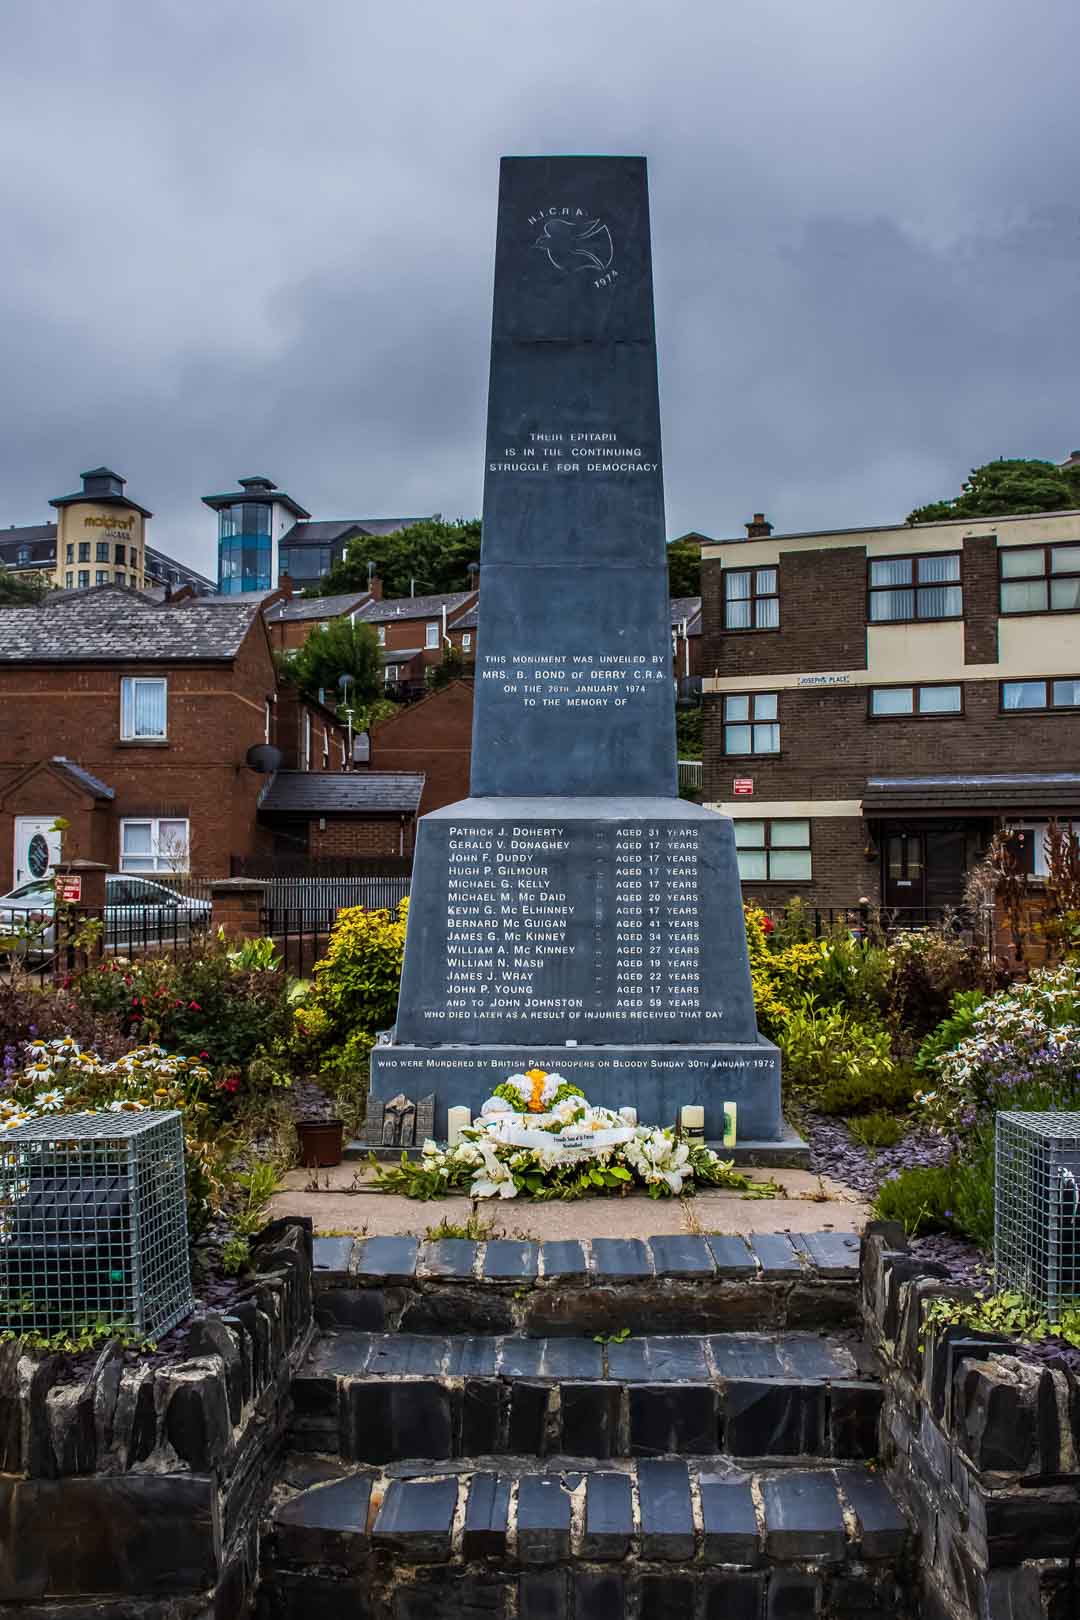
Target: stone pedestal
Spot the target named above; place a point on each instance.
(601, 938)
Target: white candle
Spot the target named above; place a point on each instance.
(731, 1114)
(692, 1119)
(457, 1120)
(628, 1116)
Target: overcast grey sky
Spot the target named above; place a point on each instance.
(257, 238)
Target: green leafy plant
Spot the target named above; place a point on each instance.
(839, 1064)
(235, 1256)
(1006, 1312)
(252, 955)
(959, 1024)
(475, 1228)
(920, 1199)
(619, 1337)
(876, 1130)
(84, 1334)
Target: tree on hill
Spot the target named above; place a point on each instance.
(1007, 486)
(343, 648)
(21, 590)
(684, 568)
(433, 553)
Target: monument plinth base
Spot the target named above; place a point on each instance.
(656, 1080)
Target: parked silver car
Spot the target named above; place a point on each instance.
(138, 913)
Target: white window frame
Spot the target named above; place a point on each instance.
(754, 722)
(380, 632)
(164, 860)
(431, 635)
(466, 641)
(783, 843)
(132, 682)
(325, 749)
(306, 765)
(1036, 831)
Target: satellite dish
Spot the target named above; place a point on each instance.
(264, 758)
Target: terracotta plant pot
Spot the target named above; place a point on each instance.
(320, 1142)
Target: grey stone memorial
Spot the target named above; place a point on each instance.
(575, 914)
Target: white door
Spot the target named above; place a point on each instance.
(37, 847)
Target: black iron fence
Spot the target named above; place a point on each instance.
(299, 941)
(866, 920)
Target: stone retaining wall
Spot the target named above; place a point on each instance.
(964, 1420)
(136, 1490)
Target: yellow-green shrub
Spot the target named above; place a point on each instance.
(356, 983)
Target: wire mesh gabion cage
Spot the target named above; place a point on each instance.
(1037, 1208)
(93, 1224)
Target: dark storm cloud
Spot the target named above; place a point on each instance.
(257, 238)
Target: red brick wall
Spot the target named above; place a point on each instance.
(979, 572)
(434, 737)
(822, 617)
(389, 836)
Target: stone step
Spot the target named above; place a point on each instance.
(379, 1398)
(677, 1283)
(659, 1538)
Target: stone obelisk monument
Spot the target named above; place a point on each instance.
(574, 913)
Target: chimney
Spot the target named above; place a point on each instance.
(758, 528)
(374, 586)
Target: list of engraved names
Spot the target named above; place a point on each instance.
(618, 942)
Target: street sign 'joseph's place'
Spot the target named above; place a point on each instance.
(574, 913)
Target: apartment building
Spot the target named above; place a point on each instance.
(879, 701)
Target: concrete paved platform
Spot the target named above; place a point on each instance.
(346, 1202)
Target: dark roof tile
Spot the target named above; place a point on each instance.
(354, 793)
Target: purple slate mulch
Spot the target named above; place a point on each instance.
(835, 1154)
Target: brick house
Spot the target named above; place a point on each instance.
(431, 739)
(291, 619)
(339, 814)
(878, 701)
(686, 644)
(414, 632)
(132, 721)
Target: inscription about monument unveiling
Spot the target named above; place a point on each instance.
(527, 940)
(573, 680)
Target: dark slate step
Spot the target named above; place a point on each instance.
(680, 1513)
(766, 1256)
(380, 1398)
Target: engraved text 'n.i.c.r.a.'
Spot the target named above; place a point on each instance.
(573, 240)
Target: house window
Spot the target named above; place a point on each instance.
(466, 642)
(325, 750)
(119, 555)
(101, 577)
(307, 742)
(773, 851)
(154, 845)
(268, 719)
(101, 551)
(380, 631)
(1053, 694)
(751, 599)
(888, 701)
(751, 723)
(69, 555)
(1028, 843)
(431, 635)
(22, 556)
(84, 551)
(390, 675)
(121, 578)
(1040, 579)
(69, 580)
(84, 579)
(143, 705)
(903, 589)
(324, 627)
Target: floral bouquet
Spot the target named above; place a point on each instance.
(538, 1136)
